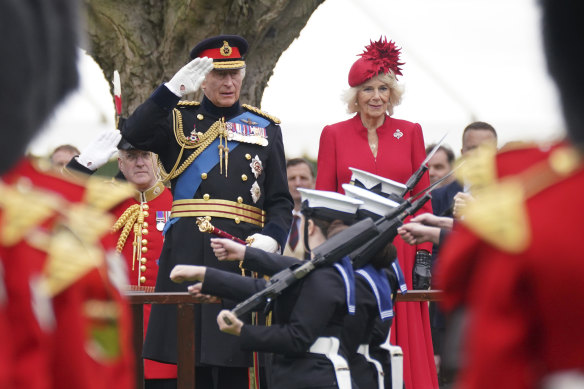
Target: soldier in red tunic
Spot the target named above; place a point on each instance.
(139, 225)
(513, 265)
(63, 320)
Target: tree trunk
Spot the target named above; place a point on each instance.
(147, 41)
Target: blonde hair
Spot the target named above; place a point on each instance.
(396, 92)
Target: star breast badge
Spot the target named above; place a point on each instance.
(256, 192)
(256, 166)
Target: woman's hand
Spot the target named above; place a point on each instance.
(182, 273)
(227, 250)
(229, 323)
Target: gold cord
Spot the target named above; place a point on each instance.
(200, 145)
(126, 220)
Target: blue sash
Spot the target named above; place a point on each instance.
(345, 267)
(381, 289)
(190, 180)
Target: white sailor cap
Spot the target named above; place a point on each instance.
(373, 205)
(380, 185)
(329, 205)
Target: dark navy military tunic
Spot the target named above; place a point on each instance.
(151, 128)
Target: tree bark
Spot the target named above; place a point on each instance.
(147, 41)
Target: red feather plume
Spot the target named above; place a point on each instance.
(384, 55)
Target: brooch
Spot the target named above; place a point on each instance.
(256, 166)
(256, 192)
(398, 134)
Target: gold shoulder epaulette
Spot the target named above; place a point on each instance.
(104, 195)
(477, 168)
(498, 216)
(188, 103)
(261, 113)
(23, 210)
(74, 250)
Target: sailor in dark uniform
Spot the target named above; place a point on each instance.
(308, 316)
(366, 334)
(224, 160)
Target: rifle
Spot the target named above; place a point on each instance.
(327, 253)
(388, 224)
(348, 242)
(415, 178)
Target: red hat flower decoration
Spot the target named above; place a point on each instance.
(379, 57)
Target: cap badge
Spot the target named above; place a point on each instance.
(256, 166)
(226, 49)
(256, 192)
(398, 134)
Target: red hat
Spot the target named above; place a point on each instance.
(227, 51)
(379, 57)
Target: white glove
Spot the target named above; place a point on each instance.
(264, 242)
(190, 77)
(100, 150)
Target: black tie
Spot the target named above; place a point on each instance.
(294, 232)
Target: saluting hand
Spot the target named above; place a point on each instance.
(190, 77)
(100, 149)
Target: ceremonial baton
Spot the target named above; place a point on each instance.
(117, 96)
(205, 225)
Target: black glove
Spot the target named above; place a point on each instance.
(422, 272)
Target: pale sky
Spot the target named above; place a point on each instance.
(465, 60)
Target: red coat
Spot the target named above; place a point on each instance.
(525, 301)
(142, 262)
(69, 326)
(400, 153)
(5, 350)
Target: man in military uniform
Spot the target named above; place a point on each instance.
(64, 321)
(513, 264)
(139, 224)
(224, 160)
